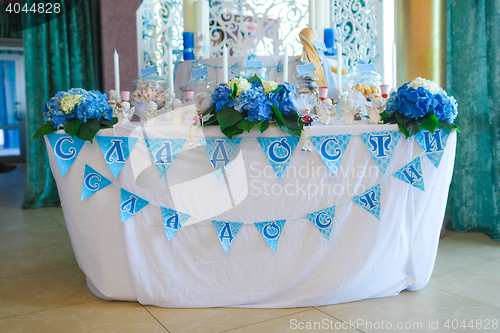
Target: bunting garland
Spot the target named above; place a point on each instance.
(116, 151)
(130, 204)
(433, 145)
(331, 149)
(271, 231)
(279, 151)
(323, 220)
(220, 152)
(370, 200)
(381, 146)
(226, 231)
(164, 152)
(93, 182)
(66, 149)
(173, 221)
(412, 174)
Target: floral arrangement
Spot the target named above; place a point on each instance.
(79, 112)
(420, 104)
(242, 104)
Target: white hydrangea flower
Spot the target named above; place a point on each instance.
(427, 84)
(69, 102)
(269, 86)
(242, 84)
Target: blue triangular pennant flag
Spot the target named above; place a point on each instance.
(370, 200)
(66, 149)
(164, 152)
(220, 152)
(271, 231)
(279, 151)
(323, 220)
(331, 148)
(93, 181)
(116, 151)
(412, 174)
(130, 204)
(173, 220)
(433, 145)
(226, 231)
(381, 145)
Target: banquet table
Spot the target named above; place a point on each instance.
(364, 257)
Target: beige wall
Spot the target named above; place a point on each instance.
(119, 32)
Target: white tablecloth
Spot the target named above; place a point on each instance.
(364, 258)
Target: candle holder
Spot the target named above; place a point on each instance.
(323, 93)
(384, 89)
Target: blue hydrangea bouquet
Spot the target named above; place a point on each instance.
(79, 112)
(242, 104)
(420, 104)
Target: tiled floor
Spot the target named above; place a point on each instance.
(43, 290)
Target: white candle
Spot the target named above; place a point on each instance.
(339, 69)
(319, 16)
(170, 72)
(205, 26)
(197, 13)
(312, 13)
(285, 65)
(394, 84)
(225, 64)
(187, 11)
(117, 77)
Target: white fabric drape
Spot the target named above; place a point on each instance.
(364, 258)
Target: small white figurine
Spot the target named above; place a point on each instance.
(378, 106)
(325, 110)
(126, 112)
(348, 110)
(203, 100)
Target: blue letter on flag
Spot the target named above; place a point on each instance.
(433, 141)
(369, 199)
(58, 148)
(380, 144)
(129, 202)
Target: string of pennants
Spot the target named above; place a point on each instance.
(220, 152)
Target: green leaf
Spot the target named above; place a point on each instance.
(255, 78)
(389, 119)
(404, 130)
(277, 90)
(211, 121)
(209, 110)
(106, 123)
(277, 113)
(445, 125)
(429, 123)
(263, 125)
(72, 126)
(232, 131)
(413, 127)
(235, 91)
(227, 117)
(455, 127)
(402, 119)
(293, 132)
(88, 130)
(293, 121)
(246, 125)
(46, 128)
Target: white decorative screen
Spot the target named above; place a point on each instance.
(262, 26)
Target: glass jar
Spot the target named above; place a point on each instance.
(305, 84)
(149, 88)
(368, 83)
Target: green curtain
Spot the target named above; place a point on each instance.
(474, 80)
(58, 56)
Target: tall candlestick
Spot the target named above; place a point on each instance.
(394, 84)
(117, 77)
(187, 11)
(170, 72)
(339, 69)
(285, 65)
(312, 14)
(225, 64)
